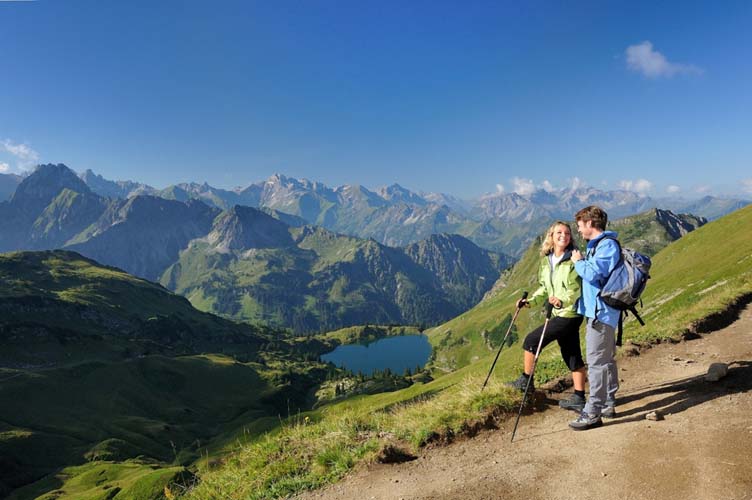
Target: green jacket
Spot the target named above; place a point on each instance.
(562, 282)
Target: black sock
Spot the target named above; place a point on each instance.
(525, 375)
(579, 393)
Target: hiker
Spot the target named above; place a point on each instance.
(602, 320)
(560, 286)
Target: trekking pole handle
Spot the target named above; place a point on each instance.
(522, 301)
(549, 309)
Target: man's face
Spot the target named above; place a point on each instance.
(585, 228)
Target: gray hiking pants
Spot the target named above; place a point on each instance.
(600, 344)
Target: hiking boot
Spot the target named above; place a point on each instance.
(520, 383)
(575, 402)
(610, 410)
(586, 421)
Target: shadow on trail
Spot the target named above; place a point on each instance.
(680, 395)
(685, 393)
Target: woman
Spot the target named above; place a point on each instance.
(560, 285)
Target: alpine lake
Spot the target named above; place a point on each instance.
(396, 353)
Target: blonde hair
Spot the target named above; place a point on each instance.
(548, 242)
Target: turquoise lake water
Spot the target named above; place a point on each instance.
(395, 353)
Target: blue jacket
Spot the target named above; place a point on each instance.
(594, 271)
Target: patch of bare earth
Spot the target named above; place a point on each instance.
(701, 449)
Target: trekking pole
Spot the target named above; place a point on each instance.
(524, 296)
(549, 308)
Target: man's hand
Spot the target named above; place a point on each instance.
(522, 302)
(576, 255)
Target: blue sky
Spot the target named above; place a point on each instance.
(455, 97)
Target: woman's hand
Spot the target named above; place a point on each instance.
(555, 302)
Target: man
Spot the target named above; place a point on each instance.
(602, 320)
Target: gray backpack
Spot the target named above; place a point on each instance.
(626, 282)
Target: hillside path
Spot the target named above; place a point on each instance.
(701, 450)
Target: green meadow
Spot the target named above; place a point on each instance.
(97, 366)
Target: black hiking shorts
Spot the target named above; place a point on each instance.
(566, 331)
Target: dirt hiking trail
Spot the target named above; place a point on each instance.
(702, 449)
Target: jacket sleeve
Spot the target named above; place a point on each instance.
(596, 268)
(573, 290)
(541, 294)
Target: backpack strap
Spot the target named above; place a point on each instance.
(620, 330)
(621, 257)
(595, 248)
(607, 237)
(633, 310)
(622, 314)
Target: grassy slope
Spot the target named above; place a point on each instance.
(75, 385)
(157, 407)
(70, 283)
(307, 453)
(247, 287)
(697, 276)
(133, 480)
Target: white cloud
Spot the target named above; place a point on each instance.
(547, 186)
(702, 189)
(651, 63)
(4, 168)
(577, 183)
(523, 187)
(27, 157)
(747, 185)
(640, 186)
(673, 189)
(499, 188)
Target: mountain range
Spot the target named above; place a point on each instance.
(250, 264)
(392, 215)
(396, 216)
(295, 253)
(253, 267)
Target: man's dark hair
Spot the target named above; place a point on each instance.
(595, 214)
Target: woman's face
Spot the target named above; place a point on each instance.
(562, 237)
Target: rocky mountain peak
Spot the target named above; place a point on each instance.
(445, 244)
(243, 228)
(395, 192)
(678, 225)
(89, 174)
(41, 187)
(114, 189)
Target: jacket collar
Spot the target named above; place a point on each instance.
(567, 255)
(592, 242)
